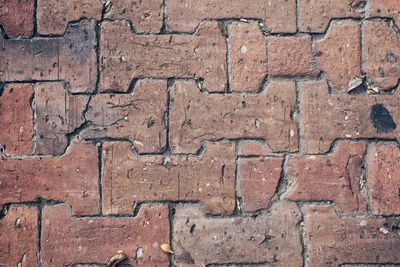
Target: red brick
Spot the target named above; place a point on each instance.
(138, 117)
(269, 237)
(67, 240)
(130, 179)
(18, 237)
(326, 117)
(16, 17)
(339, 53)
(335, 177)
(381, 54)
(72, 178)
(331, 240)
(248, 57)
(253, 148)
(315, 15)
(290, 56)
(385, 8)
(67, 58)
(186, 15)
(196, 116)
(125, 56)
(58, 114)
(16, 119)
(384, 178)
(258, 181)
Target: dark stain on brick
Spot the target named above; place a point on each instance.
(381, 119)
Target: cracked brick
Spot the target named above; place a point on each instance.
(126, 56)
(326, 117)
(67, 240)
(72, 178)
(16, 116)
(19, 237)
(130, 179)
(272, 237)
(138, 117)
(334, 177)
(16, 17)
(71, 58)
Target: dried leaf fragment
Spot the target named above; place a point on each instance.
(107, 7)
(383, 230)
(355, 83)
(117, 258)
(167, 248)
(373, 89)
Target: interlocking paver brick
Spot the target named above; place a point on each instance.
(385, 8)
(16, 17)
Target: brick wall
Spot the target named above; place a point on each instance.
(241, 132)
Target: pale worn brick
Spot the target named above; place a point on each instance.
(248, 57)
(58, 114)
(381, 54)
(253, 148)
(67, 240)
(290, 56)
(272, 237)
(335, 177)
(72, 178)
(126, 56)
(384, 178)
(18, 237)
(16, 119)
(258, 181)
(332, 241)
(326, 117)
(138, 117)
(130, 179)
(339, 53)
(385, 8)
(186, 15)
(16, 17)
(71, 58)
(196, 116)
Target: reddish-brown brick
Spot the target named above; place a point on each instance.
(326, 117)
(258, 181)
(339, 53)
(138, 117)
(290, 56)
(125, 56)
(57, 115)
(253, 148)
(16, 17)
(269, 237)
(129, 179)
(384, 178)
(248, 57)
(18, 237)
(67, 240)
(315, 15)
(332, 241)
(335, 177)
(197, 116)
(71, 58)
(16, 119)
(186, 15)
(381, 54)
(385, 8)
(72, 178)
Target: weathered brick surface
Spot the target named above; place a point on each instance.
(67, 240)
(326, 117)
(16, 17)
(381, 54)
(186, 15)
(332, 240)
(16, 116)
(384, 179)
(385, 8)
(138, 117)
(197, 116)
(269, 237)
(339, 53)
(129, 179)
(253, 148)
(335, 177)
(290, 56)
(258, 181)
(248, 57)
(71, 58)
(18, 237)
(72, 178)
(125, 56)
